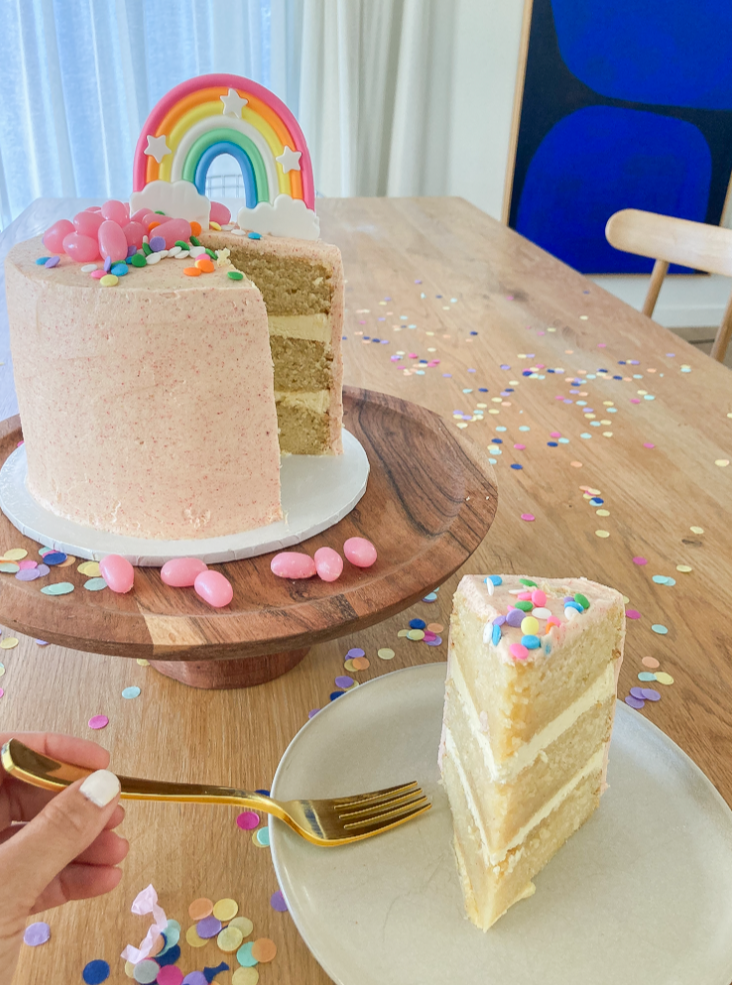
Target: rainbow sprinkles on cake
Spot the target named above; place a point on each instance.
(530, 694)
(202, 348)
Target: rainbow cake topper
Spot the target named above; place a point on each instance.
(226, 114)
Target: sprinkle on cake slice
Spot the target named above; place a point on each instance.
(529, 702)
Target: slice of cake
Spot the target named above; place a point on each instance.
(529, 702)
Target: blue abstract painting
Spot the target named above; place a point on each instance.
(625, 105)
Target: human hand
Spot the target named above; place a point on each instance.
(55, 847)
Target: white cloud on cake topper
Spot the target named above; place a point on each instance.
(178, 199)
(285, 216)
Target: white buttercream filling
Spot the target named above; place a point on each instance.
(593, 764)
(314, 328)
(317, 401)
(509, 769)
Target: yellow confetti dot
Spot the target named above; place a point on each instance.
(664, 678)
(214, 225)
(2, 669)
(244, 924)
(193, 939)
(415, 634)
(602, 512)
(15, 554)
(385, 653)
(626, 600)
(602, 533)
(245, 976)
(402, 632)
(9, 643)
(142, 662)
(584, 317)
(225, 910)
(129, 969)
(229, 940)
(722, 462)
(348, 665)
(594, 492)
(494, 411)
(697, 530)
(109, 280)
(684, 568)
(607, 434)
(90, 568)
(462, 425)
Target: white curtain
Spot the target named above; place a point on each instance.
(369, 81)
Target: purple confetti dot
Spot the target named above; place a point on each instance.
(437, 641)
(313, 712)
(157, 243)
(208, 927)
(247, 820)
(28, 574)
(343, 681)
(277, 901)
(37, 933)
(650, 694)
(515, 617)
(195, 978)
(356, 651)
(107, 264)
(499, 620)
(638, 692)
(42, 642)
(52, 262)
(634, 702)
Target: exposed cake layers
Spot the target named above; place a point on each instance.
(147, 409)
(302, 286)
(526, 730)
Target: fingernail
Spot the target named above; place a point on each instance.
(100, 788)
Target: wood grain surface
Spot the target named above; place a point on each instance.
(406, 260)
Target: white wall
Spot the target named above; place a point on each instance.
(486, 50)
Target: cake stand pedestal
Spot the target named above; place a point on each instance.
(430, 501)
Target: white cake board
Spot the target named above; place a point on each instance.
(317, 492)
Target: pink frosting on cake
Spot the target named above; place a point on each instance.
(147, 408)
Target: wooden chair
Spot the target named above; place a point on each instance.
(668, 240)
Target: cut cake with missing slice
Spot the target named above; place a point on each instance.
(529, 702)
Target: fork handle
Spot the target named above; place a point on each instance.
(50, 774)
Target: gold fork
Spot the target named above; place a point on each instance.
(322, 822)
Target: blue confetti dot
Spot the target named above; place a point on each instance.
(596, 501)
(131, 692)
(336, 694)
(417, 624)
(659, 628)
(95, 972)
(244, 955)
(54, 557)
(210, 973)
(41, 260)
(496, 579)
(516, 466)
(168, 957)
(254, 236)
(553, 444)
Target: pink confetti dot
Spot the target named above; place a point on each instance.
(602, 345)
(27, 564)
(632, 614)
(247, 820)
(634, 400)
(519, 447)
(648, 444)
(639, 560)
(169, 975)
(529, 517)
(98, 721)
(555, 434)
(2, 693)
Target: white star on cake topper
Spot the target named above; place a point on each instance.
(157, 147)
(289, 159)
(233, 104)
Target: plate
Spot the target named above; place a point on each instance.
(641, 894)
(317, 492)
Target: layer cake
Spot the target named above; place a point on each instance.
(529, 704)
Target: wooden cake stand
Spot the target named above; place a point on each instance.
(430, 501)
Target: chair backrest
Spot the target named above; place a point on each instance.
(662, 237)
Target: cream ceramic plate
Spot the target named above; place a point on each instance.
(641, 895)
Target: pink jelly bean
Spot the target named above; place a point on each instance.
(93, 208)
(53, 237)
(82, 249)
(88, 223)
(181, 572)
(524, 596)
(538, 597)
(172, 230)
(360, 552)
(139, 216)
(117, 572)
(328, 564)
(219, 213)
(134, 231)
(112, 241)
(116, 211)
(214, 588)
(291, 564)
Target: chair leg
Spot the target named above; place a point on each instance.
(657, 274)
(724, 334)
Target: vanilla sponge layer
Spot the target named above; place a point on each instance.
(505, 808)
(490, 890)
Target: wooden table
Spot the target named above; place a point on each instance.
(478, 298)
